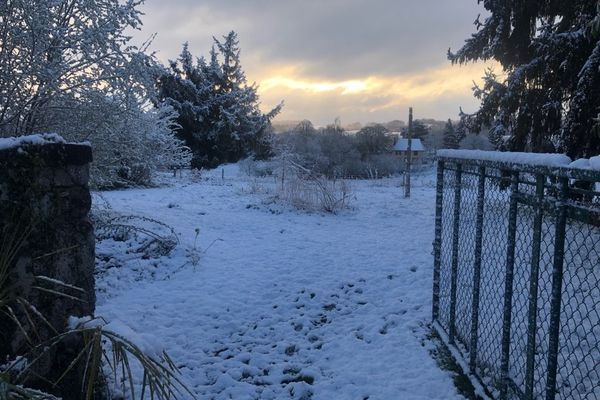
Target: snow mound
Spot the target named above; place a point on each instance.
(595, 163)
(581, 163)
(35, 140)
(541, 159)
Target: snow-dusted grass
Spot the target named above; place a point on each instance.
(284, 304)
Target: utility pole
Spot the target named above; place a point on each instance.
(409, 154)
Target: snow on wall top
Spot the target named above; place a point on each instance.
(542, 159)
(583, 163)
(37, 140)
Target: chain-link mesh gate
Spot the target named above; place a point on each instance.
(517, 276)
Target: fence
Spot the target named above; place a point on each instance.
(516, 291)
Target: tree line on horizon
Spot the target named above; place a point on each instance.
(335, 152)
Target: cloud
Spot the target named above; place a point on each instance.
(378, 53)
(435, 92)
(429, 83)
(315, 87)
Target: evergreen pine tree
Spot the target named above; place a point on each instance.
(219, 115)
(460, 131)
(550, 53)
(419, 130)
(451, 140)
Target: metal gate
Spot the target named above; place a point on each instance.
(517, 275)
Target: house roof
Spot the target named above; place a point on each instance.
(402, 145)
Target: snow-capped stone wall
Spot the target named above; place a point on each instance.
(44, 189)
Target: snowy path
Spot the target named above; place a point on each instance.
(288, 305)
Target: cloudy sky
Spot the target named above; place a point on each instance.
(360, 60)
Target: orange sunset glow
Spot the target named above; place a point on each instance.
(356, 60)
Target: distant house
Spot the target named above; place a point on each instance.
(418, 150)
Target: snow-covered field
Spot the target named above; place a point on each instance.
(284, 304)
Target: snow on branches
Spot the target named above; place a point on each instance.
(549, 96)
(219, 116)
(69, 67)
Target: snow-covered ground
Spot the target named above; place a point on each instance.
(284, 304)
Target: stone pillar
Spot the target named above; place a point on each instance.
(44, 190)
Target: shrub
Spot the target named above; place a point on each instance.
(317, 193)
(256, 168)
(336, 154)
(307, 190)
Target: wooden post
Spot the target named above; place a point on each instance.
(409, 151)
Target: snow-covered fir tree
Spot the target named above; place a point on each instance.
(550, 54)
(219, 115)
(451, 137)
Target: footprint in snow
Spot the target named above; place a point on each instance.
(291, 350)
(389, 324)
(313, 338)
(298, 326)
